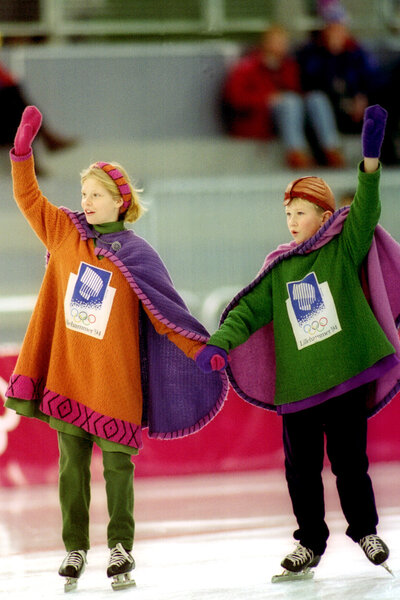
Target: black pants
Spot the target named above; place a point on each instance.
(343, 421)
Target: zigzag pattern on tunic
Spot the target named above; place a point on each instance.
(73, 412)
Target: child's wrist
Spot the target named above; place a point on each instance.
(19, 157)
(370, 164)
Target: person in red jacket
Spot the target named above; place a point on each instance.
(13, 103)
(262, 97)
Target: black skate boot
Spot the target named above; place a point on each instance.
(72, 568)
(120, 565)
(297, 565)
(375, 550)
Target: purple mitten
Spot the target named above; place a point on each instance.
(211, 358)
(30, 124)
(373, 130)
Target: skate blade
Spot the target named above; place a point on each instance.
(70, 584)
(123, 581)
(291, 576)
(388, 569)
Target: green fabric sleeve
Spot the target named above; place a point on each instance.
(252, 312)
(363, 217)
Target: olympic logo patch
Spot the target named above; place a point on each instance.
(316, 326)
(88, 300)
(81, 316)
(311, 310)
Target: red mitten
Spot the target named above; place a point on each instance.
(29, 126)
(218, 362)
(211, 358)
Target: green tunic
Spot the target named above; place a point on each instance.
(324, 329)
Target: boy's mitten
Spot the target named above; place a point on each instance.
(373, 130)
(211, 358)
(29, 126)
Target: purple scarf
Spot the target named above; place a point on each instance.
(251, 370)
(178, 398)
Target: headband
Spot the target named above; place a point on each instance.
(119, 181)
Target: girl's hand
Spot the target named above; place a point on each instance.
(29, 126)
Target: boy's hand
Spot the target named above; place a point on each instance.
(211, 358)
(373, 130)
(30, 124)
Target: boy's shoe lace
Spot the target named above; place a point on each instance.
(374, 548)
(73, 564)
(120, 561)
(300, 559)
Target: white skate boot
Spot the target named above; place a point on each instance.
(72, 568)
(297, 565)
(375, 550)
(120, 565)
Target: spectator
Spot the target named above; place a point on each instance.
(262, 97)
(388, 97)
(334, 62)
(12, 104)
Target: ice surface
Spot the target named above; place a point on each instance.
(215, 537)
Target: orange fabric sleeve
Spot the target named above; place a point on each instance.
(189, 347)
(50, 224)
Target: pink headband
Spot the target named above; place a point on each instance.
(120, 181)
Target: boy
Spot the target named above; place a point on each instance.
(320, 363)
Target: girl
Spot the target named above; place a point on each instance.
(108, 350)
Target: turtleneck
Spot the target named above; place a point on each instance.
(104, 228)
(109, 227)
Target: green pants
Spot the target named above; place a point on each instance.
(74, 491)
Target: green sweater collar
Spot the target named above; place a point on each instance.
(109, 227)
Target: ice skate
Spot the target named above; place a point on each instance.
(72, 568)
(297, 565)
(120, 565)
(376, 551)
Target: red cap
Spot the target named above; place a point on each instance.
(313, 189)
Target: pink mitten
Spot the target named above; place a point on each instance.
(218, 362)
(30, 124)
(211, 358)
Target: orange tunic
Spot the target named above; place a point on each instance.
(101, 375)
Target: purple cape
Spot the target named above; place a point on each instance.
(251, 369)
(178, 399)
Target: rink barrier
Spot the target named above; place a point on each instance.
(29, 452)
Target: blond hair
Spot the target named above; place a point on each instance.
(136, 208)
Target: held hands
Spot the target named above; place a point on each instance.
(373, 130)
(29, 126)
(211, 358)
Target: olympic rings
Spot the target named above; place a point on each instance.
(82, 317)
(315, 326)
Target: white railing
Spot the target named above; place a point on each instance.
(72, 18)
(17, 304)
(66, 19)
(60, 18)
